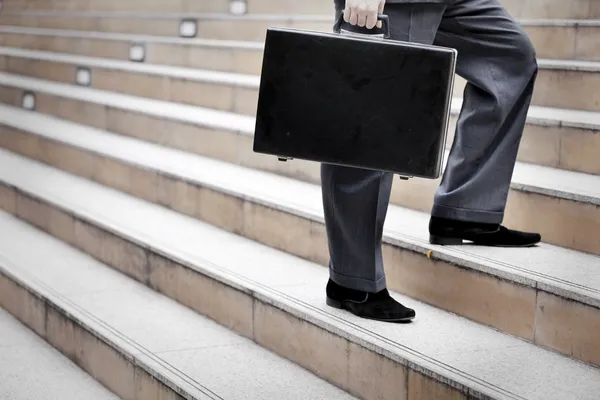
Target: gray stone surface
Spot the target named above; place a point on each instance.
(168, 15)
(193, 74)
(513, 366)
(31, 369)
(447, 344)
(249, 17)
(244, 371)
(547, 116)
(128, 37)
(208, 353)
(180, 112)
(155, 322)
(566, 272)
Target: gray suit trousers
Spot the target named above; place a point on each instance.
(498, 61)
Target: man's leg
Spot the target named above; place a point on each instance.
(356, 201)
(498, 61)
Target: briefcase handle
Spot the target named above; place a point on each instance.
(337, 27)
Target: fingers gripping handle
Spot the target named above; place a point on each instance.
(337, 27)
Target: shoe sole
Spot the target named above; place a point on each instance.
(337, 304)
(446, 241)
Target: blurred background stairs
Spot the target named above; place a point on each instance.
(142, 238)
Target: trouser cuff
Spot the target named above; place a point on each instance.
(462, 214)
(364, 285)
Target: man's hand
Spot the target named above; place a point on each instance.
(363, 12)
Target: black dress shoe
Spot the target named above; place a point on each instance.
(449, 232)
(379, 306)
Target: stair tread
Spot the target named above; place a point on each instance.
(535, 178)
(256, 17)
(183, 112)
(446, 344)
(171, 15)
(548, 116)
(211, 356)
(218, 43)
(232, 78)
(578, 65)
(194, 74)
(562, 271)
(32, 369)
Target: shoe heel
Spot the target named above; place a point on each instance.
(333, 303)
(444, 241)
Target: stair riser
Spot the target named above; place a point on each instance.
(518, 8)
(572, 224)
(247, 61)
(574, 9)
(217, 6)
(550, 41)
(559, 147)
(561, 88)
(506, 305)
(347, 363)
(554, 87)
(114, 368)
(221, 96)
(246, 30)
(565, 42)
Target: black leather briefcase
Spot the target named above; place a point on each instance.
(355, 100)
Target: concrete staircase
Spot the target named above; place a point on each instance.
(144, 239)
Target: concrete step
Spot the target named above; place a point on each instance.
(553, 137)
(523, 292)
(218, 6)
(135, 341)
(564, 39)
(582, 9)
(564, 84)
(232, 56)
(570, 198)
(32, 369)
(207, 25)
(555, 39)
(578, 9)
(266, 295)
(214, 89)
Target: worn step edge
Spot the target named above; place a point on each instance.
(400, 239)
(568, 22)
(172, 15)
(217, 6)
(214, 43)
(230, 78)
(193, 74)
(571, 65)
(42, 299)
(576, 186)
(340, 326)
